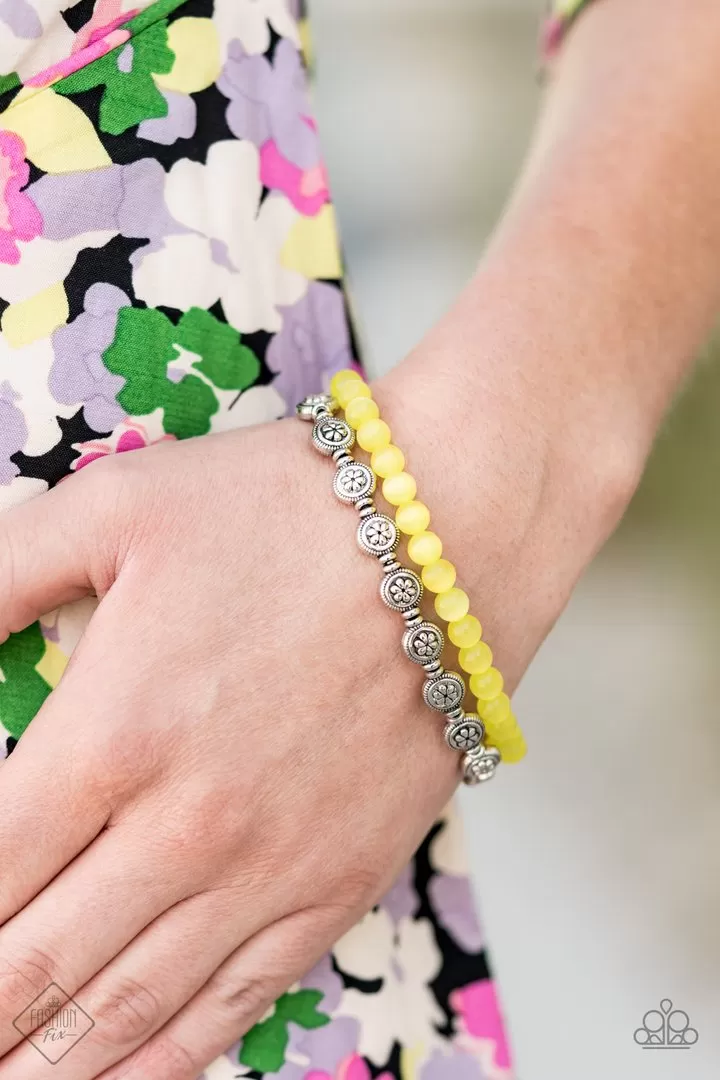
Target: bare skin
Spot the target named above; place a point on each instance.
(526, 414)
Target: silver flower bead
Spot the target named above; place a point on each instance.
(480, 765)
(330, 433)
(423, 643)
(315, 404)
(466, 734)
(378, 534)
(354, 482)
(401, 589)
(445, 692)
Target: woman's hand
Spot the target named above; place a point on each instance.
(237, 762)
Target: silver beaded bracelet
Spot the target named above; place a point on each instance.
(401, 588)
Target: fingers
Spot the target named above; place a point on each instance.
(58, 547)
(143, 988)
(233, 1000)
(51, 810)
(83, 919)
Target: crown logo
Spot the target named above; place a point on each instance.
(53, 1003)
(666, 1029)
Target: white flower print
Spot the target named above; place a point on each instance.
(249, 22)
(407, 959)
(247, 276)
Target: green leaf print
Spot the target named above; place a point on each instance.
(131, 95)
(22, 689)
(146, 342)
(265, 1045)
(226, 363)
(9, 82)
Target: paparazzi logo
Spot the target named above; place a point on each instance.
(53, 1023)
(666, 1028)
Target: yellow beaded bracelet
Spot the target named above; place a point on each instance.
(424, 548)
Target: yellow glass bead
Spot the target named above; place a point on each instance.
(452, 605)
(351, 389)
(439, 576)
(464, 632)
(388, 462)
(342, 376)
(514, 750)
(496, 710)
(399, 489)
(488, 685)
(359, 410)
(476, 659)
(425, 548)
(412, 518)
(373, 435)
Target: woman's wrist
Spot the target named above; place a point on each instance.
(526, 473)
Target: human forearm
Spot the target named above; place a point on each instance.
(531, 407)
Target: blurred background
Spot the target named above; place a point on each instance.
(598, 861)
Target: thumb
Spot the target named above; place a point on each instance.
(57, 547)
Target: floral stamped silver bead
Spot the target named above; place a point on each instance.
(354, 482)
(480, 765)
(311, 407)
(444, 693)
(330, 433)
(423, 643)
(377, 535)
(401, 589)
(466, 734)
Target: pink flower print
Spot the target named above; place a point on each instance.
(107, 16)
(307, 189)
(20, 218)
(93, 51)
(479, 1011)
(134, 438)
(352, 1068)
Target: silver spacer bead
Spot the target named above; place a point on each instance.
(480, 765)
(378, 534)
(423, 643)
(316, 405)
(400, 589)
(331, 434)
(411, 614)
(444, 692)
(434, 669)
(456, 714)
(465, 734)
(367, 509)
(342, 458)
(388, 562)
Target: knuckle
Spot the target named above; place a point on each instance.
(126, 1014)
(162, 1059)
(24, 978)
(243, 999)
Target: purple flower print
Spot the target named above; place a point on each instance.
(313, 344)
(455, 1067)
(402, 900)
(452, 900)
(24, 21)
(270, 102)
(180, 122)
(78, 375)
(129, 199)
(13, 432)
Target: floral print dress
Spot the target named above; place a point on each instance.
(169, 268)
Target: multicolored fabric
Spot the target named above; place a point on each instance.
(168, 268)
(562, 15)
